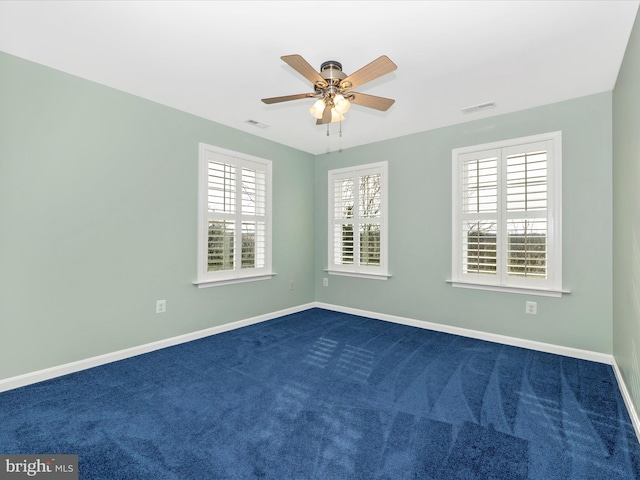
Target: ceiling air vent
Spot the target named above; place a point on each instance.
(255, 123)
(478, 108)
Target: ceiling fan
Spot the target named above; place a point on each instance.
(332, 87)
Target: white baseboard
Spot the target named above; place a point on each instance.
(490, 337)
(48, 373)
(57, 371)
(635, 420)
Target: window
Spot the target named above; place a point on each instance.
(358, 221)
(507, 215)
(234, 225)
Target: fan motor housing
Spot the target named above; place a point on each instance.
(331, 71)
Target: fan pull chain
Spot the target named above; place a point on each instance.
(340, 132)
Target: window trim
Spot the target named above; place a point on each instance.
(553, 285)
(237, 275)
(355, 269)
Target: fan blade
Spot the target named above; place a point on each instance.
(326, 116)
(286, 98)
(371, 101)
(379, 67)
(301, 66)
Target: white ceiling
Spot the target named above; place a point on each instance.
(217, 59)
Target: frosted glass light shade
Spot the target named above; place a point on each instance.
(317, 109)
(341, 104)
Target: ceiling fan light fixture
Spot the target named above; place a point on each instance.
(317, 109)
(332, 88)
(341, 104)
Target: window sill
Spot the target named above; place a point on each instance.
(503, 288)
(231, 281)
(373, 276)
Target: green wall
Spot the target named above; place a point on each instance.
(420, 230)
(98, 214)
(626, 218)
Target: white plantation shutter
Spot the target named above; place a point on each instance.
(357, 220)
(480, 183)
(479, 247)
(480, 212)
(370, 213)
(343, 216)
(253, 218)
(221, 240)
(527, 178)
(526, 210)
(235, 197)
(527, 248)
(507, 215)
(221, 205)
(221, 187)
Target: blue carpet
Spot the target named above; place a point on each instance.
(325, 395)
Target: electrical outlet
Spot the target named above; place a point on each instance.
(161, 306)
(325, 282)
(291, 285)
(531, 308)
